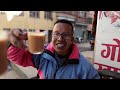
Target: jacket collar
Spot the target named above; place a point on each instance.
(73, 57)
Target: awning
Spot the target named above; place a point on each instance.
(70, 19)
(83, 24)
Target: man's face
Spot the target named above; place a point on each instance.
(62, 38)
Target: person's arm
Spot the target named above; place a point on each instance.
(19, 56)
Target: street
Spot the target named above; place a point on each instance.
(84, 47)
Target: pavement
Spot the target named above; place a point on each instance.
(19, 72)
(84, 47)
(86, 51)
(89, 55)
(10, 75)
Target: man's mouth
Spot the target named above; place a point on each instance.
(60, 45)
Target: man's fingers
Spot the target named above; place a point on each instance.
(21, 44)
(22, 34)
(12, 39)
(16, 41)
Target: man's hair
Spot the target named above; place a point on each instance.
(65, 21)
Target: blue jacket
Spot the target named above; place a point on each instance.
(74, 69)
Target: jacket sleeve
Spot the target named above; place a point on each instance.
(87, 69)
(20, 56)
(93, 73)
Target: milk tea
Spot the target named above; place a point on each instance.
(36, 42)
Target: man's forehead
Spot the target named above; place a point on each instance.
(61, 26)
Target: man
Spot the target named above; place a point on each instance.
(61, 58)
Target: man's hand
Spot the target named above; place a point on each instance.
(17, 36)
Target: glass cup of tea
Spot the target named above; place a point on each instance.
(36, 41)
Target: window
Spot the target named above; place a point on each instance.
(89, 20)
(41, 30)
(34, 14)
(83, 14)
(31, 30)
(2, 12)
(48, 15)
(6, 29)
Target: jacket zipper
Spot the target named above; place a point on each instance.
(56, 72)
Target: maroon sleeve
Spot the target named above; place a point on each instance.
(19, 56)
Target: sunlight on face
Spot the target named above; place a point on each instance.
(10, 14)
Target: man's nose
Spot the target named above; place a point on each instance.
(60, 37)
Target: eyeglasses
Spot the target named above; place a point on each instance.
(64, 35)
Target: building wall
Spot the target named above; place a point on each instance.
(90, 15)
(41, 23)
(81, 21)
(27, 22)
